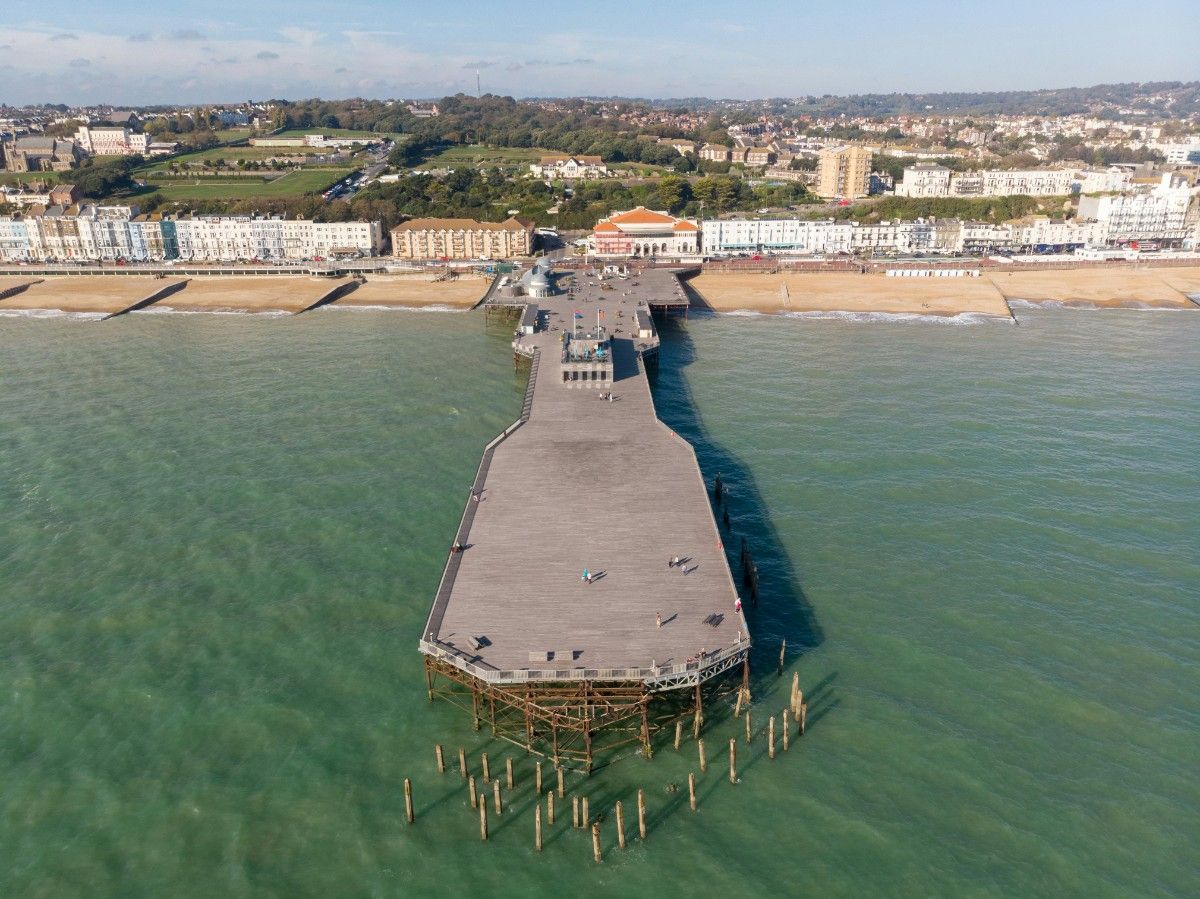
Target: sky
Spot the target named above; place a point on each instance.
(129, 52)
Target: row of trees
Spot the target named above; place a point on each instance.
(503, 122)
(98, 180)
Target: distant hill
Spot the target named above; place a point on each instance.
(1175, 99)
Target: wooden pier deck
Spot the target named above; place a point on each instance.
(580, 482)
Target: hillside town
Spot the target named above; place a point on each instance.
(276, 181)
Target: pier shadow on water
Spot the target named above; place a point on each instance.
(782, 611)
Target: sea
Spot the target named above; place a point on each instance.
(980, 540)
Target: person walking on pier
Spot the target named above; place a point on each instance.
(587, 576)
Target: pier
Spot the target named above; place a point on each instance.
(588, 481)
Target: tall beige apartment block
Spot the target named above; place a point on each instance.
(843, 173)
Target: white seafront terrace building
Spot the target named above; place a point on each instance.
(1160, 214)
(776, 236)
(105, 233)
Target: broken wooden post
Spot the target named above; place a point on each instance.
(441, 761)
(408, 804)
(473, 792)
(596, 843)
(487, 771)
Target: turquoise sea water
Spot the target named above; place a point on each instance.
(219, 536)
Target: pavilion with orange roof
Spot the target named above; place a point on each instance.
(644, 233)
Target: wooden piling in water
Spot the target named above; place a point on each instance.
(473, 792)
(620, 825)
(803, 717)
(692, 790)
(550, 807)
(487, 771)
(782, 652)
(496, 797)
(441, 761)
(537, 782)
(737, 707)
(703, 760)
(462, 762)
(508, 770)
(596, 843)
(408, 803)
(641, 814)
(749, 729)
(771, 738)
(678, 733)
(537, 828)
(584, 815)
(575, 811)
(733, 761)
(786, 727)
(483, 833)
(562, 790)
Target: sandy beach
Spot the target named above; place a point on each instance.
(92, 294)
(847, 292)
(1110, 288)
(1185, 280)
(1165, 288)
(250, 294)
(416, 291)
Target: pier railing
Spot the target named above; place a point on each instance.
(450, 572)
(659, 677)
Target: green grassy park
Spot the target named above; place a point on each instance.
(291, 184)
(478, 154)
